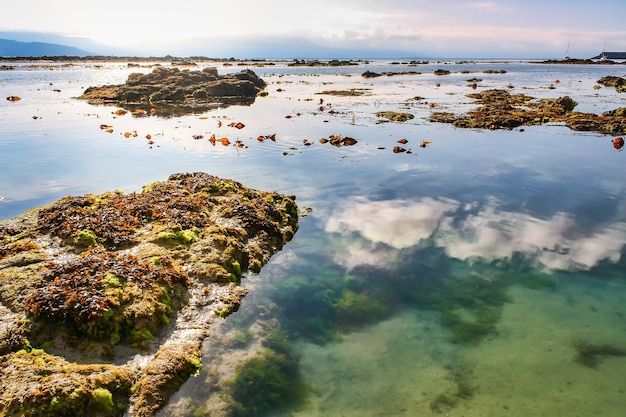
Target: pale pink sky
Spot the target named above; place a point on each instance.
(455, 27)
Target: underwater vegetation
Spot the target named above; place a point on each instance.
(269, 381)
(319, 303)
(461, 389)
(590, 355)
(321, 309)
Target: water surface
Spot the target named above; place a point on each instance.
(454, 279)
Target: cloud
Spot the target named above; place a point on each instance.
(397, 223)
(555, 242)
(466, 231)
(507, 28)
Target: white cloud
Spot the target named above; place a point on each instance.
(397, 223)
(467, 232)
(442, 27)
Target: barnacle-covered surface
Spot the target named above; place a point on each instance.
(106, 279)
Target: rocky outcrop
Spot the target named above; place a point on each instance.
(371, 74)
(317, 63)
(501, 110)
(182, 88)
(91, 282)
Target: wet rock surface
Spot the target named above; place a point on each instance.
(102, 293)
(500, 109)
(173, 89)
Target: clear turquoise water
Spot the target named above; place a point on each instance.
(451, 280)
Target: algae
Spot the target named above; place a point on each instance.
(50, 386)
(179, 237)
(269, 381)
(395, 116)
(500, 109)
(117, 270)
(590, 354)
(462, 389)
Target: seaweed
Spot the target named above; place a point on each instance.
(269, 381)
(81, 292)
(307, 308)
(89, 295)
(101, 390)
(462, 389)
(395, 116)
(185, 201)
(356, 308)
(589, 354)
(467, 331)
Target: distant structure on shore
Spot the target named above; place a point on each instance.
(610, 56)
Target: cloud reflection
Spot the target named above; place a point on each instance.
(397, 223)
(467, 231)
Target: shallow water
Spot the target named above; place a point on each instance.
(453, 280)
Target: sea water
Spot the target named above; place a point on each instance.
(462, 278)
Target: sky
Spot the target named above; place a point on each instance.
(420, 28)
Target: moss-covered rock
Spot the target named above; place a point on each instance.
(395, 116)
(500, 109)
(39, 384)
(101, 277)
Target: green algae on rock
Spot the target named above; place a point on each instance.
(102, 278)
(395, 116)
(39, 384)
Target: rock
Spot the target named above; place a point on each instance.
(612, 81)
(35, 383)
(317, 63)
(171, 86)
(395, 116)
(501, 110)
(370, 74)
(619, 112)
(101, 278)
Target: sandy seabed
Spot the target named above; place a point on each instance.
(403, 366)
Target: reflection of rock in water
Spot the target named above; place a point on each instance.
(177, 109)
(174, 92)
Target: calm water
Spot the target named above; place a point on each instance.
(457, 279)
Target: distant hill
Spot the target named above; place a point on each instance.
(11, 48)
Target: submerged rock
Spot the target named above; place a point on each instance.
(113, 278)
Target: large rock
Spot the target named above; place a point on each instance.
(501, 110)
(182, 88)
(106, 279)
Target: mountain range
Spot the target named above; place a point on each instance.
(25, 44)
(35, 44)
(10, 48)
